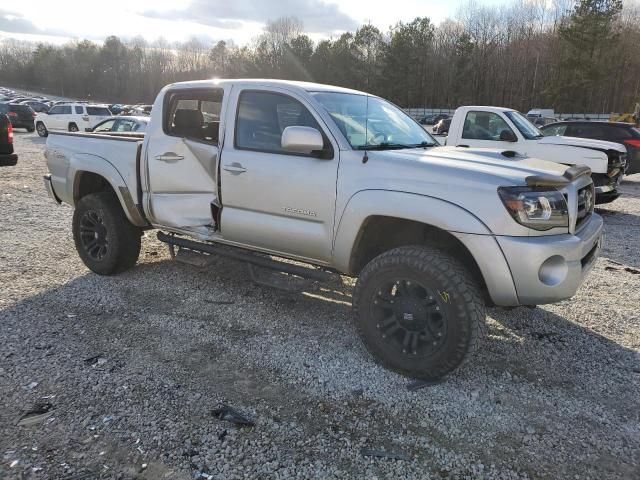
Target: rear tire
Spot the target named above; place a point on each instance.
(31, 129)
(42, 130)
(418, 311)
(105, 239)
(73, 127)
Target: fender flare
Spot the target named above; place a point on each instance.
(403, 205)
(89, 163)
(472, 232)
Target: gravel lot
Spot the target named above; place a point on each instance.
(132, 367)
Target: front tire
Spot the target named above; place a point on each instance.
(73, 127)
(105, 239)
(418, 311)
(41, 129)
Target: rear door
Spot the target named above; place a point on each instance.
(272, 199)
(182, 156)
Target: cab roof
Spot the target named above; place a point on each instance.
(270, 82)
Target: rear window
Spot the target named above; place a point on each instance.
(20, 108)
(99, 111)
(4, 108)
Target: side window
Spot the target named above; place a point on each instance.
(585, 130)
(79, 109)
(484, 126)
(105, 127)
(263, 116)
(65, 110)
(124, 126)
(616, 134)
(54, 110)
(194, 114)
(556, 130)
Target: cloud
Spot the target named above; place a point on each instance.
(317, 16)
(16, 23)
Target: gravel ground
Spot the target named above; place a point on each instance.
(132, 367)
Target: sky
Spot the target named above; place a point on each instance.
(59, 21)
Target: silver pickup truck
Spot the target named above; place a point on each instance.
(342, 181)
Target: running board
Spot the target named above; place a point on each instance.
(244, 256)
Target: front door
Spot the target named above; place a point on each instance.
(181, 158)
(273, 199)
(486, 130)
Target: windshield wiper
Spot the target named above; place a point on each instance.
(394, 146)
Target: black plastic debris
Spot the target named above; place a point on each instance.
(419, 384)
(97, 360)
(369, 452)
(38, 414)
(228, 414)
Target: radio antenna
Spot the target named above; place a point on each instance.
(365, 159)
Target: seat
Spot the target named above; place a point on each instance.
(188, 123)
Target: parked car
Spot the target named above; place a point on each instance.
(442, 127)
(541, 113)
(121, 124)
(7, 155)
(21, 116)
(71, 117)
(542, 121)
(432, 119)
(36, 105)
(344, 181)
(626, 134)
(507, 129)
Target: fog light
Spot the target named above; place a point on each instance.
(553, 271)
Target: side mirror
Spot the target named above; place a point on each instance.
(304, 140)
(508, 136)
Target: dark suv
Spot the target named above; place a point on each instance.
(21, 116)
(625, 133)
(7, 157)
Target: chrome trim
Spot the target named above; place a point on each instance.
(49, 188)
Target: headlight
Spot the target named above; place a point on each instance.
(540, 208)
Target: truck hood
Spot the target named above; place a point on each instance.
(583, 142)
(486, 162)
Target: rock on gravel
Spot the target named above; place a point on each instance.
(130, 368)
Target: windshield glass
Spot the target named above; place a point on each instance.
(372, 123)
(527, 129)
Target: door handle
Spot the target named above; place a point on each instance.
(169, 157)
(235, 167)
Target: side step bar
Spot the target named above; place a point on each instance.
(251, 258)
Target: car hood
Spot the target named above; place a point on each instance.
(582, 142)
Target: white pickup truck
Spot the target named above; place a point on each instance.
(343, 181)
(507, 129)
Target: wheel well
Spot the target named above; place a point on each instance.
(380, 234)
(89, 182)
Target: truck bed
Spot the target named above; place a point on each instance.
(120, 151)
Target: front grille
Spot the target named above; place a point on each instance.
(586, 202)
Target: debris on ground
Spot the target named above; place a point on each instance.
(96, 360)
(38, 414)
(369, 452)
(228, 414)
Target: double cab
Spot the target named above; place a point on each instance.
(344, 182)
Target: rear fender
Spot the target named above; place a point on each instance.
(84, 162)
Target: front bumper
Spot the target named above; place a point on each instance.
(548, 269)
(8, 159)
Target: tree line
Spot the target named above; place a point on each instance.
(571, 55)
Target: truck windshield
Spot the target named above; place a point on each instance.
(372, 123)
(527, 129)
